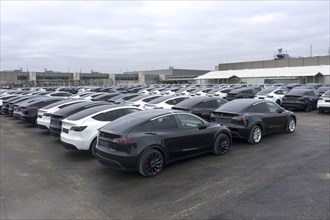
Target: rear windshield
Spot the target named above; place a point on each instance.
(266, 91)
(234, 106)
(297, 92)
(119, 125)
(159, 100)
(88, 112)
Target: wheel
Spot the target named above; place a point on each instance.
(255, 135)
(308, 107)
(222, 144)
(291, 125)
(151, 163)
(92, 148)
(278, 102)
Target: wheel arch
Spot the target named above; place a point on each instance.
(157, 147)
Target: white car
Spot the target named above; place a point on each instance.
(184, 92)
(81, 95)
(79, 131)
(140, 101)
(273, 94)
(222, 93)
(165, 102)
(323, 103)
(43, 118)
(199, 92)
(171, 91)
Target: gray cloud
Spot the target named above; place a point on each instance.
(117, 36)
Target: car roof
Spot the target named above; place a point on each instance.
(80, 105)
(238, 105)
(193, 101)
(90, 111)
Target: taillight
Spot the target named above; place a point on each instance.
(78, 128)
(212, 117)
(240, 120)
(122, 141)
(270, 96)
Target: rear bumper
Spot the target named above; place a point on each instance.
(126, 163)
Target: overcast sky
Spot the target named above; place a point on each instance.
(119, 36)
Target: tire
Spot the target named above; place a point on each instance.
(278, 102)
(255, 135)
(92, 148)
(291, 125)
(222, 144)
(308, 107)
(151, 163)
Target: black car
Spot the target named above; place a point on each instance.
(55, 125)
(241, 94)
(30, 110)
(105, 97)
(122, 98)
(148, 140)
(200, 106)
(305, 99)
(6, 101)
(251, 119)
(292, 85)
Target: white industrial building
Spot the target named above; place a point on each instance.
(301, 74)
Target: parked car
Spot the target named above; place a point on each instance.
(44, 114)
(148, 140)
(105, 97)
(79, 130)
(200, 106)
(292, 85)
(305, 99)
(251, 119)
(56, 118)
(165, 102)
(323, 89)
(140, 101)
(273, 94)
(199, 92)
(242, 93)
(30, 110)
(121, 99)
(17, 108)
(323, 103)
(221, 92)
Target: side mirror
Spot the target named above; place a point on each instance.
(204, 125)
(280, 110)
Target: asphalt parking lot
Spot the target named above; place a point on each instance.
(286, 176)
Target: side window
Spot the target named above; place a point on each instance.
(164, 123)
(170, 102)
(208, 104)
(99, 117)
(149, 99)
(189, 121)
(260, 108)
(279, 92)
(180, 99)
(145, 127)
(220, 102)
(110, 115)
(272, 107)
(131, 110)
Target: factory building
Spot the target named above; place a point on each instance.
(283, 69)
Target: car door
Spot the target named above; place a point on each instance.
(171, 137)
(277, 120)
(198, 137)
(204, 108)
(268, 119)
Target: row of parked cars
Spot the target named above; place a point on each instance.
(146, 132)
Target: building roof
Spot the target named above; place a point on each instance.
(268, 72)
